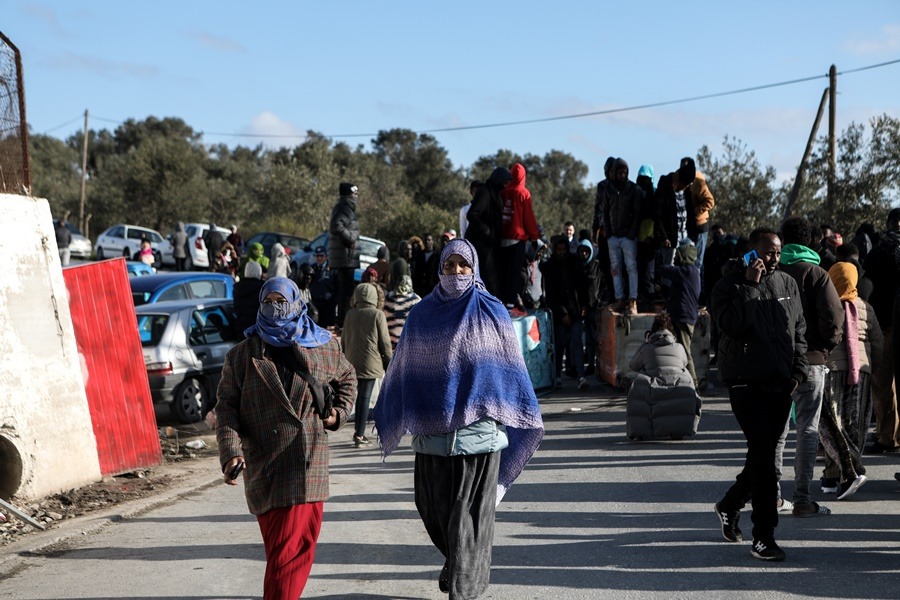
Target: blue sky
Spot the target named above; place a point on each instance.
(350, 67)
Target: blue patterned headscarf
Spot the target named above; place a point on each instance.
(286, 323)
(458, 361)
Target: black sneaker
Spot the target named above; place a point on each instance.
(360, 440)
(830, 485)
(766, 550)
(729, 520)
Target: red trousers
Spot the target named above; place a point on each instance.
(289, 536)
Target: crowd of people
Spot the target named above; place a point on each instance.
(799, 320)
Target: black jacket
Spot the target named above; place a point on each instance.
(882, 268)
(485, 218)
(668, 215)
(565, 286)
(246, 303)
(761, 329)
(343, 238)
(622, 206)
(822, 309)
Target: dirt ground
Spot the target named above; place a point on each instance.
(178, 452)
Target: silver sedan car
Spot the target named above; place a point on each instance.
(184, 344)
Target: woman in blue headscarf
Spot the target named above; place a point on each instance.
(458, 383)
(269, 421)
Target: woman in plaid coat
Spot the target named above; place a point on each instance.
(268, 421)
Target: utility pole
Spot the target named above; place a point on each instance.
(832, 146)
(81, 224)
(801, 170)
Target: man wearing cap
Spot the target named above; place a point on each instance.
(684, 202)
(322, 288)
(343, 247)
(882, 266)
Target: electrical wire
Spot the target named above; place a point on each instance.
(594, 113)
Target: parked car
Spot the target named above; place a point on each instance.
(197, 256)
(138, 269)
(270, 238)
(124, 240)
(80, 246)
(180, 286)
(368, 252)
(184, 344)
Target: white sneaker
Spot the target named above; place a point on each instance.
(583, 384)
(850, 488)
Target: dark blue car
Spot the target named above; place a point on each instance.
(180, 286)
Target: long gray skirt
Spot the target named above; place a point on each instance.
(456, 498)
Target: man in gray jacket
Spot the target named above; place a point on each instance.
(343, 247)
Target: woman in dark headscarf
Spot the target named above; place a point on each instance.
(270, 420)
(462, 406)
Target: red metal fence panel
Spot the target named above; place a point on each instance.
(115, 377)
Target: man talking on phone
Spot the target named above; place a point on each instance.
(762, 360)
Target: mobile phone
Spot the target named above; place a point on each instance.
(750, 257)
(234, 472)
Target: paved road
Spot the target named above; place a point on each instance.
(593, 516)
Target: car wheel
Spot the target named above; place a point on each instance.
(100, 255)
(190, 401)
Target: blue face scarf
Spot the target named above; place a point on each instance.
(284, 324)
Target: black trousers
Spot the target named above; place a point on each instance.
(761, 413)
(513, 272)
(345, 286)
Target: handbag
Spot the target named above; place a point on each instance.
(323, 393)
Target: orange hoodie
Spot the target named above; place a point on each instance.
(518, 215)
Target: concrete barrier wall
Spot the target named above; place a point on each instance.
(47, 442)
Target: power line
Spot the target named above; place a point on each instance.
(594, 113)
(69, 122)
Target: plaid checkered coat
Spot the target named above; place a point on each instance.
(281, 439)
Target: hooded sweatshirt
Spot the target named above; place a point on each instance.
(622, 204)
(365, 339)
(519, 222)
(821, 306)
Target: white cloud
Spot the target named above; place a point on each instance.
(273, 131)
(886, 42)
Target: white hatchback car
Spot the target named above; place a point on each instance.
(197, 257)
(124, 240)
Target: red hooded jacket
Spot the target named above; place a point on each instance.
(518, 215)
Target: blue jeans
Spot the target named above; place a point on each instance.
(569, 336)
(702, 238)
(622, 250)
(364, 388)
(807, 409)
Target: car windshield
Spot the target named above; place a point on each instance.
(151, 328)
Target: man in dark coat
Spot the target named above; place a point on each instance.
(566, 288)
(762, 360)
(824, 318)
(343, 247)
(213, 240)
(485, 227)
(883, 268)
(63, 239)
